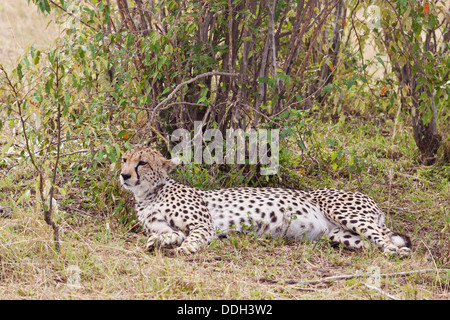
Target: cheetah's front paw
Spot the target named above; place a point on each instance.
(151, 243)
(164, 240)
(188, 248)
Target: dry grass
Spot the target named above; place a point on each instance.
(101, 259)
(107, 262)
(21, 26)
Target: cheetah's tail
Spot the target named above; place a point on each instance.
(400, 240)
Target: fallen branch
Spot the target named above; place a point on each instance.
(352, 276)
(381, 291)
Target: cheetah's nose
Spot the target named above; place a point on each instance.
(125, 176)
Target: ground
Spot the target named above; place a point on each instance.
(102, 257)
(112, 265)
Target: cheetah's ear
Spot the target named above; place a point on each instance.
(169, 165)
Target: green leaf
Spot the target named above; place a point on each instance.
(66, 99)
(362, 78)
(48, 85)
(423, 96)
(44, 6)
(264, 80)
(37, 57)
(327, 88)
(350, 84)
(122, 133)
(32, 50)
(427, 116)
(92, 49)
(381, 61)
(434, 22)
(19, 71)
(129, 41)
(285, 132)
(98, 37)
(301, 145)
(118, 153)
(416, 27)
(284, 114)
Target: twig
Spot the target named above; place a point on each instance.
(151, 109)
(361, 51)
(311, 95)
(408, 43)
(72, 15)
(22, 120)
(271, 10)
(48, 213)
(268, 280)
(325, 14)
(213, 259)
(352, 276)
(178, 87)
(40, 172)
(381, 291)
(431, 255)
(70, 153)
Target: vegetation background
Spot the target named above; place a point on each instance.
(358, 89)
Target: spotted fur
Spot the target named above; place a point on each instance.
(172, 213)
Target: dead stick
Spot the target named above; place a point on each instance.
(382, 292)
(351, 276)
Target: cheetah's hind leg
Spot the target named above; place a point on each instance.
(348, 238)
(393, 243)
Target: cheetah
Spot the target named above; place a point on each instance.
(171, 213)
(175, 214)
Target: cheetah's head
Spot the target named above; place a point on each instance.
(144, 169)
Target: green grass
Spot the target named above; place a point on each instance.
(102, 256)
(110, 263)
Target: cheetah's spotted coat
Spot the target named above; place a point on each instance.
(175, 214)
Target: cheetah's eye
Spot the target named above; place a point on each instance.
(142, 163)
